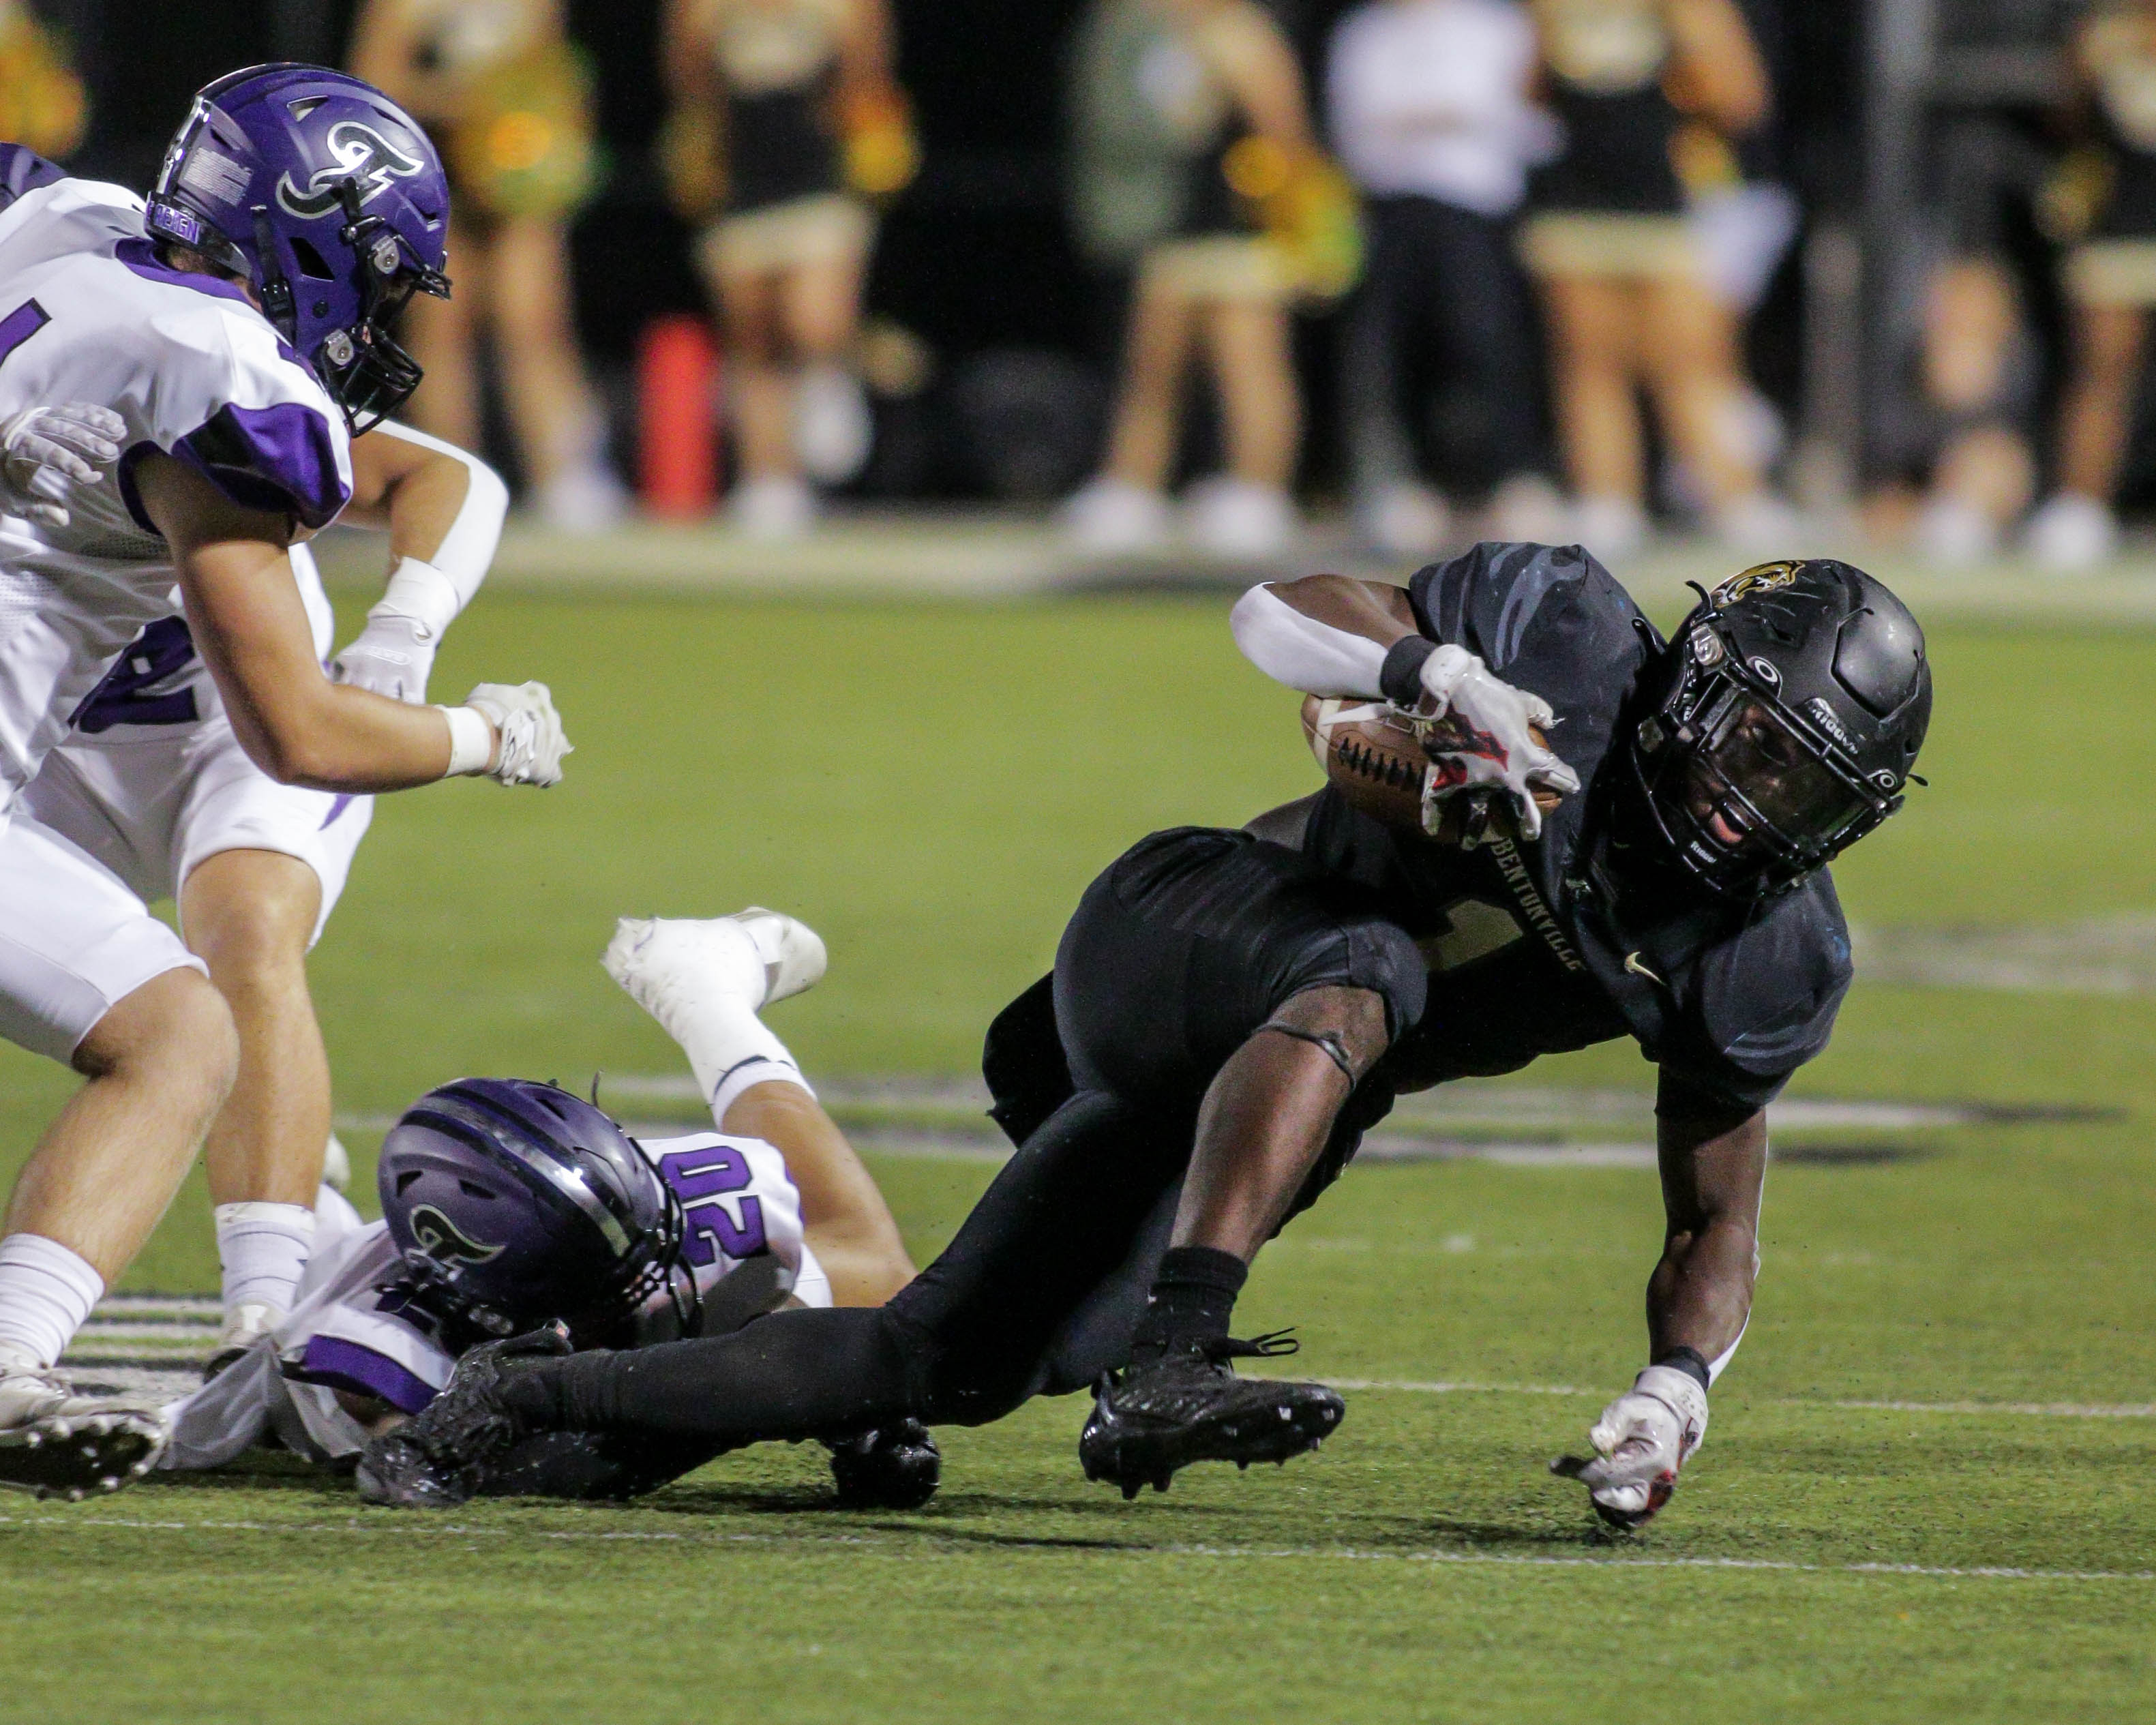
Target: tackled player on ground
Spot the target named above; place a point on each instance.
(508, 1205)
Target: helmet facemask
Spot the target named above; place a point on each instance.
(1751, 794)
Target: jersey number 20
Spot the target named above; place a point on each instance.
(700, 1177)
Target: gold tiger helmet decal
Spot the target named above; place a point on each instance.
(1761, 577)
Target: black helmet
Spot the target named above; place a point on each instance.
(1797, 698)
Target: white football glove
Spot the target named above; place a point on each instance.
(1486, 742)
(391, 655)
(1640, 1441)
(46, 452)
(532, 741)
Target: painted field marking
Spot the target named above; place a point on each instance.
(1232, 1552)
(2052, 1410)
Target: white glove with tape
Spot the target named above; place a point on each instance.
(46, 452)
(1640, 1441)
(393, 655)
(531, 742)
(1487, 741)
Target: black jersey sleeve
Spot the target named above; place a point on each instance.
(1545, 617)
(1756, 1007)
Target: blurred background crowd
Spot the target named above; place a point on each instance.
(1195, 274)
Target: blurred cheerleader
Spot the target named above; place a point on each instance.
(2111, 285)
(498, 84)
(1263, 218)
(786, 121)
(1622, 275)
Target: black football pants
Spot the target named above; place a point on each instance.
(1175, 957)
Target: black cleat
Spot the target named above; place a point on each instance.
(439, 1458)
(895, 1466)
(79, 1455)
(1150, 1419)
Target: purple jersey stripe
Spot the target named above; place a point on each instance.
(19, 326)
(281, 459)
(361, 1371)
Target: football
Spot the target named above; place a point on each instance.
(1376, 760)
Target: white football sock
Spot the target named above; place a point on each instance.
(730, 1048)
(46, 1291)
(264, 1248)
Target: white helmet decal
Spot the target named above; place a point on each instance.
(363, 154)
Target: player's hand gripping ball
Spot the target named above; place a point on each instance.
(1390, 764)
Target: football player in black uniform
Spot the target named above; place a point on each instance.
(1230, 1010)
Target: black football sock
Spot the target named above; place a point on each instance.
(794, 1375)
(1193, 1296)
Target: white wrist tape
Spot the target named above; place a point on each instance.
(1303, 652)
(422, 592)
(1681, 1393)
(471, 740)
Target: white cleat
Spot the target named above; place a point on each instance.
(243, 1326)
(793, 953)
(55, 1443)
(672, 967)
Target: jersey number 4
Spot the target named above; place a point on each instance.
(699, 1178)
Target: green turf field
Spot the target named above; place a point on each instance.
(1927, 1494)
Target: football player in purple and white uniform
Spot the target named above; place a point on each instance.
(153, 782)
(508, 1205)
(238, 327)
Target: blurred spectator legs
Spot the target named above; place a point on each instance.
(789, 304)
(1670, 334)
(517, 280)
(2075, 528)
(1182, 308)
(1441, 285)
(1984, 474)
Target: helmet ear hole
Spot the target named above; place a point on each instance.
(312, 264)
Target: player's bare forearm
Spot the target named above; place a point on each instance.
(1269, 1113)
(1713, 1167)
(244, 611)
(842, 1215)
(411, 492)
(1375, 609)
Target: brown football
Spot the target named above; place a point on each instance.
(1378, 764)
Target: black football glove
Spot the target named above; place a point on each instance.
(895, 1466)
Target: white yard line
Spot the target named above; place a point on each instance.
(2051, 1410)
(956, 1540)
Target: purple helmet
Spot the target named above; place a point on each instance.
(329, 199)
(514, 1202)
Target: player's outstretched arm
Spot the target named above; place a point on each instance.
(1713, 1158)
(442, 510)
(244, 610)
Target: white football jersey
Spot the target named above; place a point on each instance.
(88, 314)
(350, 1329)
